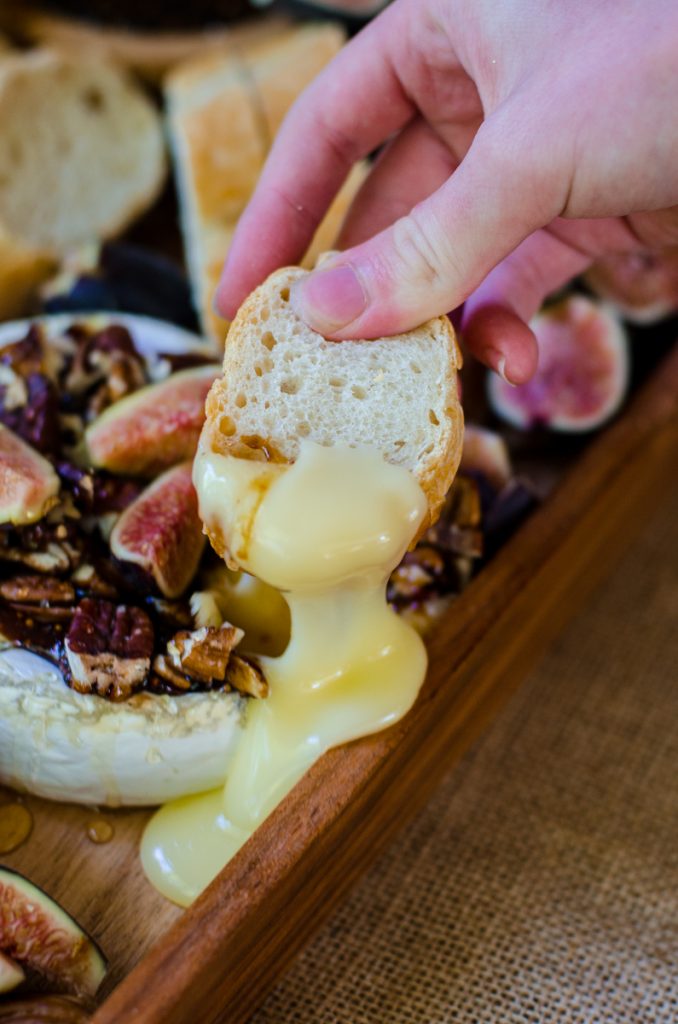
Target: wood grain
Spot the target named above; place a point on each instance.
(219, 959)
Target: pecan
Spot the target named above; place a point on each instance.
(50, 547)
(109, 648)
(163, 668)
(36, 589)
(88, 578)
(27, 355)
(204, 653)
(246, 677)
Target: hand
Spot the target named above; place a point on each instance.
(526, 139)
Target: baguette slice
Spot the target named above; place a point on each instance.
(223, 112)
(283, 382)
(148, 52)
(82, 150)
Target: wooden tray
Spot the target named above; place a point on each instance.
(218, 960)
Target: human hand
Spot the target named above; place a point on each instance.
(526, 139)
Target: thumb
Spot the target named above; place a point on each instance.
(429, 261)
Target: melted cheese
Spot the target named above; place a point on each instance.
(326, 531)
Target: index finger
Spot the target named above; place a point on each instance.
(354, 105)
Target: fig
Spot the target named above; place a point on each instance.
(643, 286)
(28, 483)
(11, 974)
(155, 427)
(485, 452)
(583, 372)
(38, 933)
(161, 531)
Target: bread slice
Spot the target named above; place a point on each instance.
(223, 113)
(148, 52)
(283, 382)
(82, 150)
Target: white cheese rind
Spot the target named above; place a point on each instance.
(76, 748)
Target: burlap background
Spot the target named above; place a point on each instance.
(541, 883)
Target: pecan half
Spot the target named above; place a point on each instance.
(35, 589)
(109, 648)
(204, 653)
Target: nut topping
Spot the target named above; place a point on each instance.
(246, 677)
(35, 589)
(204, 654)
(109, 648)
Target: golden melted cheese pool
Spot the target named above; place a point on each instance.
(326, 531)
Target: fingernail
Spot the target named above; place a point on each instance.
(497, 361)
(329, 299)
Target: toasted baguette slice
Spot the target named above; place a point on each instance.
(223, 112)
(82, 149)
(283, 382)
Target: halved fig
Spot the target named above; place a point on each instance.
(486, 452)
(583, 372)
(161, 531)
(153, 428)
(38, 933)
(11, 974)
(28, 483)
(643, 286)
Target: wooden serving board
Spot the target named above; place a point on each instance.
(218, 960)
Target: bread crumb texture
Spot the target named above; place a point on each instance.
(283, 383)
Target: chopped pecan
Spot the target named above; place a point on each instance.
(50, 547)
(204, 653)
(27, 355)
(87, 577)
(109, 648)
(106, 367)
(36, 589)
(163, 668)
(246, 677)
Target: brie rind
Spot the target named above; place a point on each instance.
(73, 747)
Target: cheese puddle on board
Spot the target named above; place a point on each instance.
(326, 531)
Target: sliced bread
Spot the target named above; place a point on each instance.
(283, 382)
(82, 150)
(223, 112)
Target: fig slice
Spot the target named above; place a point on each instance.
(486, 452)
(583, 372)
(38, 933)
(28, 483)
(161, 531)
(11, 974)
(153, 428)
(642, 286)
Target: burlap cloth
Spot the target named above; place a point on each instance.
(541, 882)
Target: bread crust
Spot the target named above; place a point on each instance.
(224, 110)
(435, 474)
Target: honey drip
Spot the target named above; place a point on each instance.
(99, 831)
(16, 824)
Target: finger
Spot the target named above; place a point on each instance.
(430, 260)
(412, 166)
(496, 315)
(352, 107)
